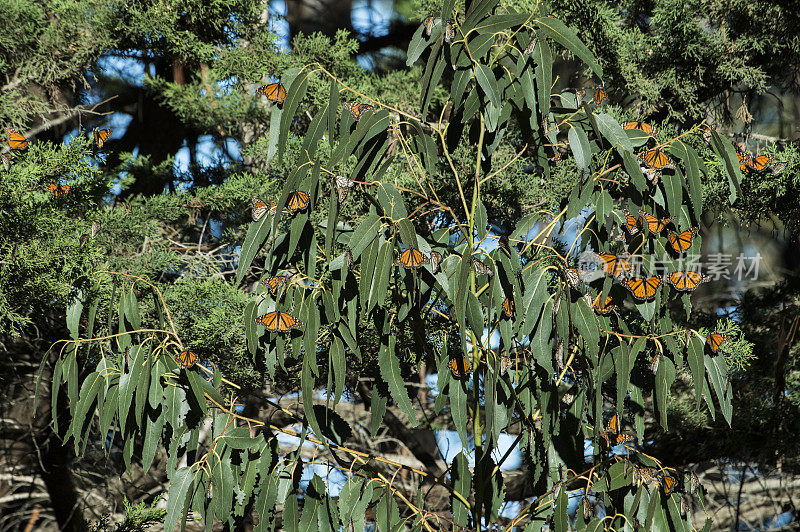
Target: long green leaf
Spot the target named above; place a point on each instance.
(294, 95)
(565, 36)
(179, 487)
(390, 373)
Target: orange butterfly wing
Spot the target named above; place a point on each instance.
(259, 208)
(412, 258)
(298, 201)
(604, 309)
(656, 159)
(508, 307)
(277, 321)
(357, 109)
(428, 23)
(681, 242)
(641, 126)
(655, 225)
(459, 367)
(187, 358)
(100, 136)
(759, 163)
(715, 341)
(643, 288)
(686, 281)
(614, 265)
(275, 92)
(57, 190)
(275, 283)
(669, 483)
(599, 95)
(16, 140)
(631, 225)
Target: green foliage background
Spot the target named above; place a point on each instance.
(140, 271)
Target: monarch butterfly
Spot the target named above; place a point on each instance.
(59, 191)
(607, 308)
(298, 201)
(187, 358)
(505, 364)
(777, 168)
(275, 283)
(480, 268)
(656, 159)
(669, 483)
(654, 362)
(743, 158)
(640, 475)
(655, 225)
(651, 174)
(277, 321)
(436, 260)
(16, 140)
(614, 265)
(573, 277)
(759, 163)
(684, 506)
(449, 32)
(412, 258)
(529, 49)
(580, 94)
(508, 307)
(715, 340)
(681, 242)
(599, 95)
(706, 132)
(694, 482)
(100, 137)
(357, 109)
(631, 225)
(612, 434)
(349, 258)
(641, 126)
(459, 367)
(429, 23)
(275, 92)
(7, 161)
(588, 509)
(686, 281)
(260, 208)
(343, 186)
(643, 288)
(96, 227)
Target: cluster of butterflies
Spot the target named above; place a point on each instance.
(460, 369)
(431, 22)
(276, 93)
(619, 266)
(18, 143)
(598, 97)
(298, 200)
(613, 435)
(759, 163)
